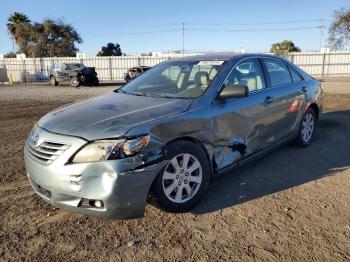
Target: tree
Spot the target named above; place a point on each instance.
(10, 55)
(14, 21)
(339, 31)
(284, 47)
(49, 38)
(53, 38)
(110, 50)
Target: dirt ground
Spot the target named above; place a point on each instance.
(290, 205)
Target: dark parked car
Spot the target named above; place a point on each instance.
(135, 72)
(162, 136)
(73, 73)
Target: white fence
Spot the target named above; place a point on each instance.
(322, 64)
(114, 68)
(107, 68)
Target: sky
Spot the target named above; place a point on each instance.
(156, 25)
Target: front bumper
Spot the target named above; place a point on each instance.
(89, 79)
(122, 185)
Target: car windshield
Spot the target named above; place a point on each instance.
(76, 66)
(175, 79)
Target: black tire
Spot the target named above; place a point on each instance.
(53, 81)
(74, 81)
(158, 196)
(300, 140)
(96, 83)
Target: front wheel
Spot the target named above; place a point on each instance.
(74, 81)
(306, 129)
(184, 180)
(53, 81)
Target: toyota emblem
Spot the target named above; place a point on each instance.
(35, 139)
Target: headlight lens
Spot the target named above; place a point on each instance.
(110, 149)
(132, 147)
(97, 151)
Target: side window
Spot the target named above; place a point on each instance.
(278, 71)
(247, 73)
(295, 76)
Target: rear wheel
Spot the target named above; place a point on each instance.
(74, 81)
(184, 180)
(53, 81)
(306, 129)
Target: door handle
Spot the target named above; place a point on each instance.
(268, 100)
(304, 89)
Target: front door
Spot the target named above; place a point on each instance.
(245, 120)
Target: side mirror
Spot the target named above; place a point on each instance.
(234, 91)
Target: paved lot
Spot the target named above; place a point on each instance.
(290, 205)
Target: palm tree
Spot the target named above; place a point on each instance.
(14, 20)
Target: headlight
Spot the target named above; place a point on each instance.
(132, 147)
(110, 149)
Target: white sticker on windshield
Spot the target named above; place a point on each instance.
(211, 62)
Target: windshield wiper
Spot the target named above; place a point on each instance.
(120, 90)
(144, 94)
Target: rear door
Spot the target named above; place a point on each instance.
(59, 72)
(65, 70)
(286, 97)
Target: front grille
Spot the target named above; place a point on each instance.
(46, 152)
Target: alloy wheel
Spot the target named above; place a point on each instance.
(308, 126)
(182, 178)
(74, 81)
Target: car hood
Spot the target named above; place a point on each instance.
(110, 115)
(85, 70)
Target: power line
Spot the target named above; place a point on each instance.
(137, 32)
(262, 23)
(176, 27)
(252, 30)
(149, 26)
(193, 29)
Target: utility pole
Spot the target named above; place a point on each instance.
(183, 38)
(321, 33)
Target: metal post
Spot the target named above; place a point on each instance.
(110, 68)
(183, 38)
(24, 69)
(321, 33)
(323, 63)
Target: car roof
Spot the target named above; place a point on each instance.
(222, 56)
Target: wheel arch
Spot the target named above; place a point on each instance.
(314, 106)
(197, 142)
